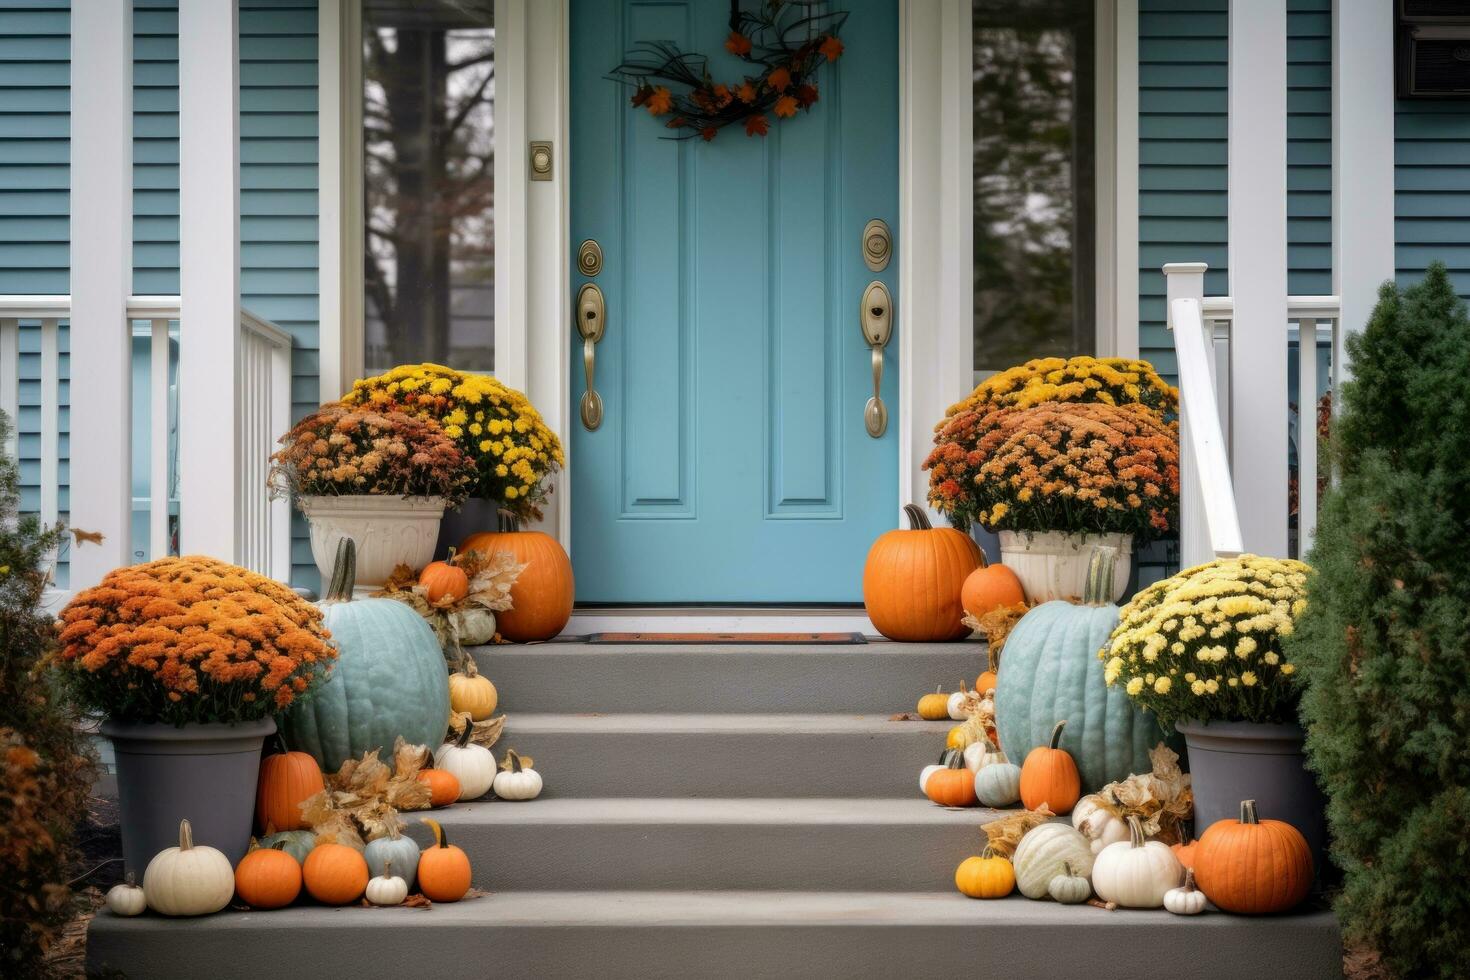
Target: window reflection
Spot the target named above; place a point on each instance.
(428, 165)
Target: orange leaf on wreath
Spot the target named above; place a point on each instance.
(737, 44)
(746, 92)
(780, 79)
(785, 107)
(757, 125)
(806, 95)
(722, 95)
(831, 48)
(660, 101)
(708, 133)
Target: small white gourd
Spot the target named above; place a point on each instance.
(957, 702)
(188, 880)
(386, 888)
(1097, 823)
(1136, 873)
(1068, 888)
(1186, 899)
(999, 784)
(980, 754)
(473, 765)
(516, 779)
(1047, 851)
(126, 898)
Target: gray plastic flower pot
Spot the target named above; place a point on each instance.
(1234, 761)
(206, 773)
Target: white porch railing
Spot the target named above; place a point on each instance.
(262, 392)
(1210, 524)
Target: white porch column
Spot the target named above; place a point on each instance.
(1257, 190)
(101, 279)
(1362, 162)
(209, 278)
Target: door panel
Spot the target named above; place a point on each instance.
(732, 463)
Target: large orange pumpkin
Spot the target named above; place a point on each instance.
(286, 779)
(542, 597)
(912, 580)
(1049, 775)
(444, 579)
(1253, 866)
(990, 587)
(335, 874)
(268, 878)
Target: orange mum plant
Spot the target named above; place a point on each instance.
(191, 639)
(1081, 468)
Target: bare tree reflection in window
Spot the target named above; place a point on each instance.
(429, 163)
(1034, 149)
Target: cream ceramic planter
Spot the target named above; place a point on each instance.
(389, 531)
(1053, 564)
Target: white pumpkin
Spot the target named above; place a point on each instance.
(956, 703)
(1097, 823)
(473, 765)
(387, 888)
(924, 775)
(1069, 888)
(474, 625)
(980, 754)
(946, 761)
(126, 898)
(188, 880)
(999, 784)
(1047, 851)
(1186, 899)
(516, 780)
(1136, 873)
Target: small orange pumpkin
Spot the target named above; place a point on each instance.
(286, 779)
(542, 596)
(1049, 775)
(444, 579)
(1253, 866)
(954, 785)
(335, 874)
(912, 580)
(986, 682)
(443, 786)
(444, 869)
(268, 877)
(990, 587)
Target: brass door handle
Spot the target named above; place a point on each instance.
(591, 316)
(876, 317)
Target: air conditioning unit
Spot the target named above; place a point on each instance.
(1433, 50)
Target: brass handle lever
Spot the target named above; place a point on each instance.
(591, 324)
(876, 316)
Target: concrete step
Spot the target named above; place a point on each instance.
(719, 844)
(726, 755)
(873, 678)
(714, 934)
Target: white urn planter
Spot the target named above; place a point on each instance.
(389, 531)
(1053, 564)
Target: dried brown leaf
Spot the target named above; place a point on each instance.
(1004, 834)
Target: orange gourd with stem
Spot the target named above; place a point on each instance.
(268, 878)
(912, 580)
(1049, 775)
(1253, 866)
(444, 869)
(444, 579)
(286, 779)
(335, 874)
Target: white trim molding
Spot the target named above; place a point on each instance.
(1117, 177)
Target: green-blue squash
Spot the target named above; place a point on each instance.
(395, 854)
(1049, 671)
(389, 680)
(297, 843)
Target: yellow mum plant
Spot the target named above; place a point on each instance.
(1110, 380)
(1205, 645)
(494, 425)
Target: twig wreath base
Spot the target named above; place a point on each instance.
(787, 40)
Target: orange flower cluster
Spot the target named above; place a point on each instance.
(340, 449)
(191, 639)
(1084, 468)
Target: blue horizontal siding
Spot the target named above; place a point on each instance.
(1432, 190)
(1309, 147)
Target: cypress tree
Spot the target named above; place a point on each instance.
(1384, 644)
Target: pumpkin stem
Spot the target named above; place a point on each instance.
(1248, 812)
(515, 760)
(1099, 588)
(918, 520)
(984, 562)
(344, 572)
(464, 734)
(279, 845)
(1135, 831)
(130, 879)
(1056, 733)
(441, 839)
(1188, 880)
(186, 835)
(449, 558)
(506, 522)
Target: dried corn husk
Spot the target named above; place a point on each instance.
(362, 798)
(1162, 799)
(486, 733)
(1004, 834)
(997, 625)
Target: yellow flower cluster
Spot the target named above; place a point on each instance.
(1111, 380)
(1206, 644)
(495, 425)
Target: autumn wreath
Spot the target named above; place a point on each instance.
(786, 40)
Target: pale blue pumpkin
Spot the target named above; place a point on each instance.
(1050, 671)
(389, 680)
(297, 843)
(395, 854)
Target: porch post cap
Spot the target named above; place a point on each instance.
(1172, 268)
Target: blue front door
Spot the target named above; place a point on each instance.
(732, 462)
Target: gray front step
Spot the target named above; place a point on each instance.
(871, 678)
(721, 844)
(584, 756)
(650, 935)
